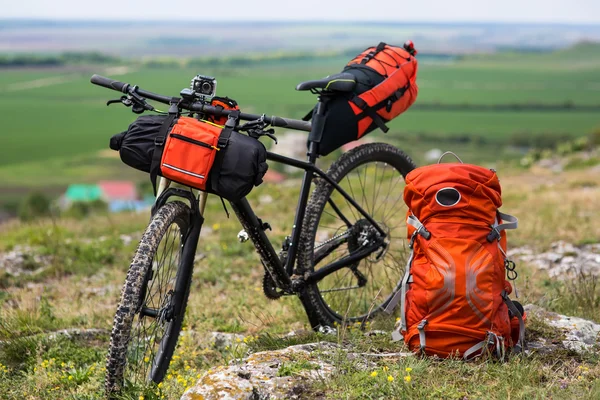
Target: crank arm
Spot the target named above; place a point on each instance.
(344, 262)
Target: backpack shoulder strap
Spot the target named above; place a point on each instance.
(508, 222)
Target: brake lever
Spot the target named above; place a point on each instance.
(257, 133)
(123, 100)
(271, 134)
(137, 103)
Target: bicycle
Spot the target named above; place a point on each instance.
(344, 260)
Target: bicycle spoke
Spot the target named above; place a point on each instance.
(382, 199)
(148, 332)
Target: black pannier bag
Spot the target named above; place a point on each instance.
(239, 162)
(341, 125)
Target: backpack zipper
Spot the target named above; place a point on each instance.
(193, 141)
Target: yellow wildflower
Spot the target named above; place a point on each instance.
(146, 359)
(70, 377)
(373, 374)
(408, 369)
(390, 378)
(407, 378)
(141, 397)
(386, 368)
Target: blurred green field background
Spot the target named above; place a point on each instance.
(55, 122)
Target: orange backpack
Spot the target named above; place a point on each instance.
(454, 296)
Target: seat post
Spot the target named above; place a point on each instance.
(318, 125)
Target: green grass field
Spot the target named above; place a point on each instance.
(55, 121)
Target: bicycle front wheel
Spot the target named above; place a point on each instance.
(373, 175)
(152, 306)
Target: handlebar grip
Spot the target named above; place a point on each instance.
(109, 83)
(291, 123)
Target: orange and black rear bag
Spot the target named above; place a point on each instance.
(386, 86)
(196, 153)
(454, 296)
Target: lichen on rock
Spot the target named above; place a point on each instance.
(278, 374)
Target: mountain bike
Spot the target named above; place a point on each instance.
(344, 258)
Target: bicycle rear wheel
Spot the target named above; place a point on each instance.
(153, 300)
(373, 174)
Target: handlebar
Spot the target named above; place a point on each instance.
(197, 106)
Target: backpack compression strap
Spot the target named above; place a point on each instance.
(371, 111)
(519, 346)
(401, 295)
(508, 222)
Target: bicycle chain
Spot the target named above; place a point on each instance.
(332, 239)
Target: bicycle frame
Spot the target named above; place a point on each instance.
(285, 276)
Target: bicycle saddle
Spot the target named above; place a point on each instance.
(343, 82)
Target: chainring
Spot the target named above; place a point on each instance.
(269, 287)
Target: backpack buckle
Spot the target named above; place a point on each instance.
(493, 235)
(159, 140)
(222, 142)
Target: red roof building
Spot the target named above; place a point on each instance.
(118, 190)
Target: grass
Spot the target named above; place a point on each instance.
(70, 118)
(58, 134)
(82, 289)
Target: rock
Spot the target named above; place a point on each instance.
(578, 334)
(221, 340)
(278, 374)
(265, 199)
(85, 334)
(553, 164)
(24, 260)
(291, 144)
(563, 260)
(126, 239)
(433, 155)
